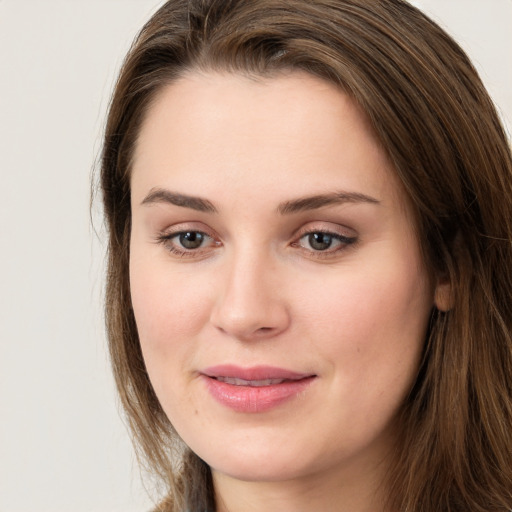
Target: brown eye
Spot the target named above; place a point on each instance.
(187, 243)
(191, 239)
(325, 242)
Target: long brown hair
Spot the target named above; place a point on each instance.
(441, 131)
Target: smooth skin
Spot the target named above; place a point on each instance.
(229, 266)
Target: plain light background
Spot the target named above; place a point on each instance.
(63, 444)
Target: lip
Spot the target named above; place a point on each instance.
(255, 389)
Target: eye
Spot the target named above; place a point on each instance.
(191, 239)
(320, 241)
(324, 242)
(187, 243)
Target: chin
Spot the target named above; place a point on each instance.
(260, 462)
(258, 470)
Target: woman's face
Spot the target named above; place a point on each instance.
(277, 284)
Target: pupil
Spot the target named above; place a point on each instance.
(191, 239)
(320, 241)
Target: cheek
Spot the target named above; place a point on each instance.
(377, 318)
(170, 310)
(373, 337)
(163, 301)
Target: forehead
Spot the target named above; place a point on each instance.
(292, 134)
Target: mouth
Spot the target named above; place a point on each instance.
(261, 374)
(256, 389)
(253, 383)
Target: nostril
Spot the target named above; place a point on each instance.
(244, 315)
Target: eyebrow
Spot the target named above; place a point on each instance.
(319, 201)
(160, 195)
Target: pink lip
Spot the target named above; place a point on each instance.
(254, 398)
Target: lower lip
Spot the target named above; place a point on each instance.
(255, 399)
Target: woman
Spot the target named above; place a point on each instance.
(309, 285)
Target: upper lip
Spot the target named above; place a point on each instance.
(253, 373)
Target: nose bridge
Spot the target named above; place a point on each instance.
(248, 304)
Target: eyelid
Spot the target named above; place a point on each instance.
(183, 227)
(166, 237)
(325, 227)
(346, 240)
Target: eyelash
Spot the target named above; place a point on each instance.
(166, 239)
(344, 242)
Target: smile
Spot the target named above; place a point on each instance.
(254, 383)
(254, 390)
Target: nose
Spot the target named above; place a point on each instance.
(249, 304)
